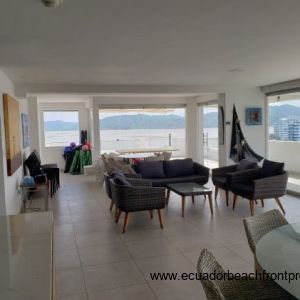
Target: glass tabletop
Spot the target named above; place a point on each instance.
(189, 188)
(278, 252)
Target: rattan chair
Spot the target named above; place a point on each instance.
(141, 196)
(256, 227)
(250, 184)
(242, 289)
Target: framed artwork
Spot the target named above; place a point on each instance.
(12, 133)
(25, 130)
(253, 116)
(221, 125)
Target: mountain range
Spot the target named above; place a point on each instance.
(143, 121)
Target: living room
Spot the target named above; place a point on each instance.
(76, 61)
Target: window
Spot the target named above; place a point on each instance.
(138, 128)
(61, 128)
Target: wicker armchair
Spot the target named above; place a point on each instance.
(237, 289)
(256, 227)
(220, 179)
(139, 197)
(252, 185)
(129, 177)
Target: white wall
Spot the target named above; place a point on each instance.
(54, 154)
(244, 97)
(10, 200)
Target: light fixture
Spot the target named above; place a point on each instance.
(52, 3)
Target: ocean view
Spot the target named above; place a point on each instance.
(113, 140)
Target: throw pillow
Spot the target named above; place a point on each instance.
(121, 180)
(179, 167)
(271, 168)
(246, 164)
(151, 169)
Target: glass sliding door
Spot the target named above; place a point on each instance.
(284, 134)
(209, 117)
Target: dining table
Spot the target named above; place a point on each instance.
(148, 150)
(278, 253)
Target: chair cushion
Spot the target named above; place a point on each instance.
(220, 181)
(245, 190)
(151, 169)
(271, 168)
(121, 180)
(179, 167)
(246, 164)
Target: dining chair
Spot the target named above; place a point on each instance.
(238, 289)
(257, 226)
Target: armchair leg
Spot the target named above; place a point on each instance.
(251, 202)
(280, 205)
(168, 196)
(116, 211)
(151, 213)
(111, 205)
(234, 201)
(160, 219)
(227, 197)
(262, 202)
(125, 222)
(255, 201)
(216, 192)
(118, 216)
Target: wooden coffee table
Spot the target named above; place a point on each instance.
(189, 189)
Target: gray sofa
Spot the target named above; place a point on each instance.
(162, 173)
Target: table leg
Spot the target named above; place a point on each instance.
(193, 199)
(210, 203)
(182, 207)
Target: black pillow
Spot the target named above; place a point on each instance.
(115, 172)
(271, 168)
(179, 167)
(246, 164)
(121, 180)
(152, 169)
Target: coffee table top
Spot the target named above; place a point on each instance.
(189, 188)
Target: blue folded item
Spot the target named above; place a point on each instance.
(28, 181)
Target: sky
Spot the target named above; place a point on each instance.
(67, 116)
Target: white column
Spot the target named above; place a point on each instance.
(192, 129)
(95, 131)
(34, 125)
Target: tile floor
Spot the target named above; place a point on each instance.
(94, 260)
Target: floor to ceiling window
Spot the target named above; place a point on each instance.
(209, 117)
(139, 128)
(284, 134)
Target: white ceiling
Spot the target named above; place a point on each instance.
(148, 42)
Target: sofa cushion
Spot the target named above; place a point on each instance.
(271, 168)
(179, 167)
(121, 180)
(246, 164)
(151, 169)
(158, 182)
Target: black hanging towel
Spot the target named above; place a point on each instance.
(239, 147)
